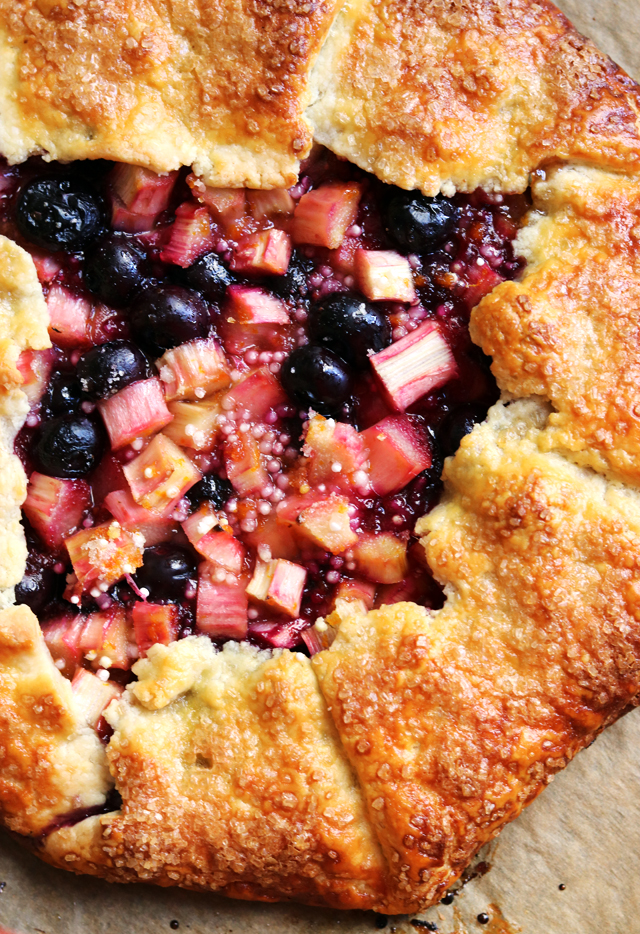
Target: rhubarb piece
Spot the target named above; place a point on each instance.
(47, 266)
(250, 305)
(414, 365)
(323, 216)
(381, 557)
(383, 275)
(55, 508)
(117, 640)
(280, 635)
(410, 590)
(222, 604)
(256, 395)
(195, 424)
(269, 204)
(153, 624)
(276, 539)
(219, 547)
(267, 251)
(135, 518)
(62, 635)
(35, 368)
(336, 452)
(357, 591)
(194, 370)
(244, 466)
(141, 191)
(190, 235)
(161, 475)
(480, 281)
(327, 524)
(92, 696)
(69, 316)
(398, 451)
(311, 639)
(227, 205)
(104, 554)
(279, 584)
(136, 411)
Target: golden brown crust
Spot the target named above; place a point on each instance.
(220, 85)
(568, 330)
(455, 94)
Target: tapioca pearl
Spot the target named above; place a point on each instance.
(315, 280)
(275, 368)
(252, 613)
(278, 448)
(336, 562)
(282, 482)
(274, 466)
(75, 356)
(332, 577)
(231, 505)
(277, 496)
(258, 431)
(251, 357)
(229, 406)
(349, 281)
(398, 333)
(33, 420)
(326, 272)
(301, 315)
(286, 411)
(264, 509)
(221, 246)
(354, 231)
(249, 525)
(271, 418)
(290, 455)
(244, 427)
(279, 356)
(228, 429)
(265, 357)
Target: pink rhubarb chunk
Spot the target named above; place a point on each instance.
(69, 316)
(92, 696)
(244, 466)
(414, 365)
(108, 634)
(222, 604)
(136, 411)
(135, 518)
(138, 197)
(104, 554)
(327, 523)
(153, 624)
(323, 215)
(279, 584)
(398, 451)
(190, 237)
(276, 202)
(161, 475)
(267, 251)
(381, 557)
(194, 370)
(251, 305)
(258, 394)
(336, 452)
(62, 635)
(219, 547)
(35, 368)
(383, 275)
(55, 508)
(226, 204)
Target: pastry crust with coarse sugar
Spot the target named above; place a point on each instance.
(219, 85)
(568, 330)
(447, 96)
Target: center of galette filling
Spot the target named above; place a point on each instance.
(247, 402)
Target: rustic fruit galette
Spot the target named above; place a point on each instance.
(252, 641)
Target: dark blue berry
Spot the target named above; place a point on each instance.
(108, 368)
(211, 489)
(350, 326)
(59, 213)
(208, 275)
(416, 222)
(457, 424)
(40, 585)
(68, 446)
(316, 378)
(64, 394)
(164, 316)
(166, 572)
(114, 270)
(294, 283)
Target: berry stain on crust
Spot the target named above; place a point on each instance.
(248, 401)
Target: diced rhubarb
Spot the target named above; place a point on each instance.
(481, 280)
(251, 305)
(381, 557)
(153, 624)
(323, 215)
(117, 639)
(383, 275)
(414, 365)
(226, 204)
(399, 450)
(35, 368)
(136, 411)
(62, 636)
(219, 547)
(104, 554)
(328, 524)
(279, 584)
(69, 317)
(55, 508)
(336, 452)
(222, 605)
(357, 590)
(244, 466)
(311, 639)
(280, 635)
(265, 252)
(190, 235)
(135, 518)
(195, 424)
(128, 221)
(160, 476)
(47, 266)
(142, 191)
(258, 394)
(92, 696)
(194, 370)
(410, 590)
(290, 508)
(280, 539)
(276, 202)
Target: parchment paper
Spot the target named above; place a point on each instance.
(583, 833)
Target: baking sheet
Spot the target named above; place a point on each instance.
(569, 865)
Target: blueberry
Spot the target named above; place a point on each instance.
(211, 489)
(68, 446)
(419, 223)
(294, 283)
(458, 423)
(40, 585)
(166, 571)
(316, 378)
(350, 326)
(114, 270)
(208, 275)
(165, 316)
(64, 394)
(59, 213)
(108, 368)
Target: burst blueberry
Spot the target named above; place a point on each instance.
(166, 572)
(164, 316)
(69, 447)
(316, 378)
(416, 222)
(115, 269)
(108, 368)
(59, 213)
(350, 326)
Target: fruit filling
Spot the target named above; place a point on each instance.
(247, 402)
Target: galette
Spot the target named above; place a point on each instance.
(320, 434)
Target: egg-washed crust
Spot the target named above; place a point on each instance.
(217, 84)
(568, 331)
(448, 95)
